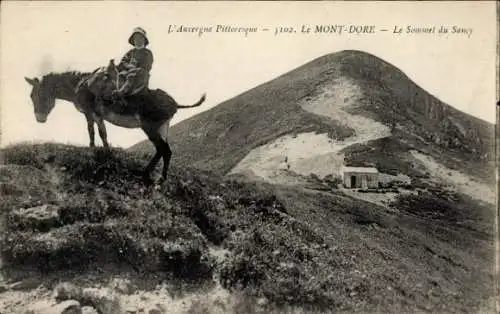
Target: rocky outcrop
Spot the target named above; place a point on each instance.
(39, 218)
(103, 301)
(89, 310)
(65, 307)
(123, 286)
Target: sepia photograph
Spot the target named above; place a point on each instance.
(244, 157)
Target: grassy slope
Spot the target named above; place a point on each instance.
(290, 245)
(220, 137)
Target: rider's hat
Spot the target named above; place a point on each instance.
(138, 30)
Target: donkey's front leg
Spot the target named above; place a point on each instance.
(90, 128)
(102, 131)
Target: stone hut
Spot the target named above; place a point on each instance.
(359, 177)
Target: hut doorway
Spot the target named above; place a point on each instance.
(353, 181)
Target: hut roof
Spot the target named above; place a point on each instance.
(360, 169)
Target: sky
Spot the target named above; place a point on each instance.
(38, 37)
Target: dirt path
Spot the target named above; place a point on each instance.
(309, 152)
(455, 179)
(331, 102)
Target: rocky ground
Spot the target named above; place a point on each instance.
(82, 234)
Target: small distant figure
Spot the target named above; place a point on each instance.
(135, 66)
(287, 164)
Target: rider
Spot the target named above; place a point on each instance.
(135, 65)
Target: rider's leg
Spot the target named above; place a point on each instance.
(125, 88)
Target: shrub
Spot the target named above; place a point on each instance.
(433, 203)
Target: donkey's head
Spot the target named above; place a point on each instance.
(42, 95)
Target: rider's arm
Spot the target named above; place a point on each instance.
(125, 61)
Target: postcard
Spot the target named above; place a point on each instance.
(248, 157)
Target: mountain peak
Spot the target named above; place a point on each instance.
(343, 101)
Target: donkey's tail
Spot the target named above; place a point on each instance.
(198, 103)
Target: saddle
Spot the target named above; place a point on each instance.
(94, 83)
(103, 87)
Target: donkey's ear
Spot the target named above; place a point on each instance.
(33, 81)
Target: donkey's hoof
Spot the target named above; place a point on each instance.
(148, 181)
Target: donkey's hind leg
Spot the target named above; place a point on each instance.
(167, 155)
(165, 147)
(151, 165)
(157, 134)
(157, 141)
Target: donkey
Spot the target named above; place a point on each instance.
(151, 111)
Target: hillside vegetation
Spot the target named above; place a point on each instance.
(83, 216)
